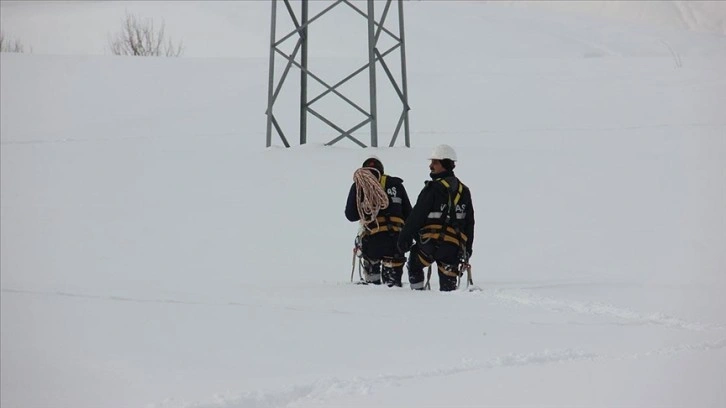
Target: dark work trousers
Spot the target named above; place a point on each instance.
(433, 251)
(376, 247)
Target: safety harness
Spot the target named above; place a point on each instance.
(385, 223)
(442, 228)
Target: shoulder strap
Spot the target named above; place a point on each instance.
(383, 181)
(458, 190)
(452, 208)
(458, 193)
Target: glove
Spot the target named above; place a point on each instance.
(404, 245)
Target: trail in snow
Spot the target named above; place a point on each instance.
(522, 297)
(331, 388)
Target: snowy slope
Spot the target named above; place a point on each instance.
(154, 253)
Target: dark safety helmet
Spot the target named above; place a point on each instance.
(375, 163)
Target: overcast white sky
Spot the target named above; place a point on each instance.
(222, 28)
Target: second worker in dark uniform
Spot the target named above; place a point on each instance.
(441, 223)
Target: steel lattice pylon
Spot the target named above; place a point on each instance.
(375, 57)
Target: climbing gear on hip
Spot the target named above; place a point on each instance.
(465, 266)
(357, 253)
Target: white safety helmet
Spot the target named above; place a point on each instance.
(442, 152)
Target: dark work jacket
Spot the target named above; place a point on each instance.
(399, 204)
(434, 198)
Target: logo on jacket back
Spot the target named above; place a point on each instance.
(391, 191)
(460, 210)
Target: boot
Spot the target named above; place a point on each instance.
(372, 271)
(448, 277)
(392, 270)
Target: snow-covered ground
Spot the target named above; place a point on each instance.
(155, 254)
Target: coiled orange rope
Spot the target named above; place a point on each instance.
(370, 196)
